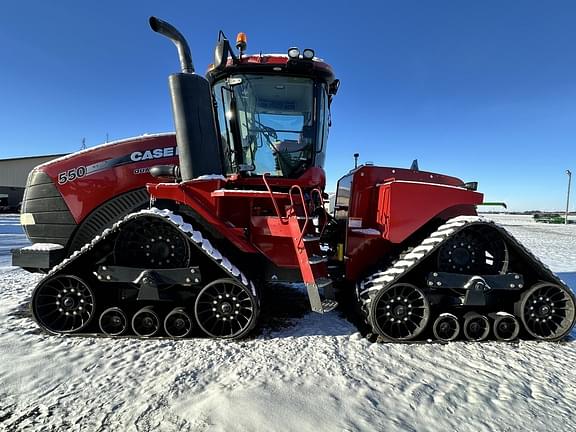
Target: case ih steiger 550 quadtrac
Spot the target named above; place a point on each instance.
(238, 202)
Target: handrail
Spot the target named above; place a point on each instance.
(307, 218)
(317, 191)
(272, 195)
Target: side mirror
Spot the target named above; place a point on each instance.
(333, 89)
(221, 53)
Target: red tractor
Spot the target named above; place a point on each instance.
(239, 203)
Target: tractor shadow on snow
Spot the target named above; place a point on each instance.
(285, 312)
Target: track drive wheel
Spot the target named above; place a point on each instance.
(151, 242)
(547, 311)
(226, 309)
(399, 312)
(477, 249)
(63, 304)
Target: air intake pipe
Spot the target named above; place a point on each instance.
(191, 96)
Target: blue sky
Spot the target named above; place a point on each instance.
(483, 91)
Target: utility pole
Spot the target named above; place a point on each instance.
(568, 196)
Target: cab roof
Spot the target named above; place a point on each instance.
(274, 64)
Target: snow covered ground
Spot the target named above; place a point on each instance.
(317, 373)
(11, 236)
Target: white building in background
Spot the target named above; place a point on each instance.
(13, 175)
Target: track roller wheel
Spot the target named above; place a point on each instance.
(476, 327)
(63, 304)
(477, 249)
(506, 326)
(151, 242)
(145, 322)
(226, 309)
(113, 321)
(547, 311)
(399, 312)
(178, 323)
(446, 328)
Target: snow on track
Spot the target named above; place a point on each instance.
(317, 373)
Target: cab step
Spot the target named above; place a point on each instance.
(317, 303)
(329, 305)
(323, 282)
(317, 259)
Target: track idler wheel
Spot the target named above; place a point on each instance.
(178, 323)
(399, 312)
(547, 311)
(63, 304)
(226, 309)
(446, 328)
(145, 322)
(506, 327)
(476, 327)
(113, 321)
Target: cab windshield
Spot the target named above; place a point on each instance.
(274, 119)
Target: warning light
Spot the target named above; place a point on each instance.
(241, 40)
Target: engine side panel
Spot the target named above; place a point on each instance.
(87, 179)
(382, 207)
(405, 206)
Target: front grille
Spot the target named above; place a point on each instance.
(53, 222)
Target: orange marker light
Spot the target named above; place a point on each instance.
(241, 40)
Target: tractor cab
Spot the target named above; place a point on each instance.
(272, 111)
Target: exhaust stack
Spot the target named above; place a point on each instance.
(191, 96)
(168, 30)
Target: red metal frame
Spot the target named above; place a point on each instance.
(389, 204)
(244, 204)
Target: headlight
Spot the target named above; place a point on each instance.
(308, 54)
(293, 53)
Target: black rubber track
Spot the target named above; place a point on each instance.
(483, 237)
(81, 267)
